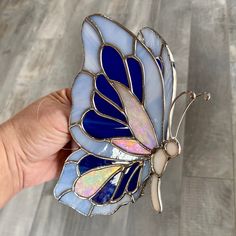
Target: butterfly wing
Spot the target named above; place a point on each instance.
(142, 77)
(165, 59)
(96, 185)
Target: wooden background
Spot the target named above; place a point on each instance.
(41, 51)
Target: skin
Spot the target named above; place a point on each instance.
(33, 144)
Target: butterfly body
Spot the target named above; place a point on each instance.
(122, 104)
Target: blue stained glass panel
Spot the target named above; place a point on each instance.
(105, 194)
(134, 181)
(104, 87)
(94, 123)
(160, 64)
(124, 181)
(89, 162)
(113, 65)
(106, 108)
(135, 71)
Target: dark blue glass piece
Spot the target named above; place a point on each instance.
(104, 87)
(89, 162)
(160, 64)
(105, 194)
(106, 108)
(134, 181)
(113, 65)
(100, 127)
(135, 71)
(124, 181)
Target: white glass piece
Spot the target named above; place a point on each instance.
(152, 40)
(120, 155)
(153, 89)
(83, 206)
(92, 43)
(81, 93)
(110, 208)
(159, 160)
(172, 149)
(137, 118)
(155, 193)
(113, 33)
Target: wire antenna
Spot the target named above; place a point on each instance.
(193, 97)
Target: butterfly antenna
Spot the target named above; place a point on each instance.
(193, 97)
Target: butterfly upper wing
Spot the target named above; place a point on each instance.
(117, 113)
(166, 62)
(98, 31)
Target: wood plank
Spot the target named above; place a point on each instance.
(208, 137)
(207, 207)
(231, 7)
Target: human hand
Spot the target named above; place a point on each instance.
(33, 142)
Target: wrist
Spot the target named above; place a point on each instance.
(11, 176)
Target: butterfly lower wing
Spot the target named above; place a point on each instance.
(96, 185)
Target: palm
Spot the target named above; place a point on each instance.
(42, 131)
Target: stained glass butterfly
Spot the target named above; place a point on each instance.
(122, 104)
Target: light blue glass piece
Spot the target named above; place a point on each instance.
(114, 34)
(90, 144)
(110, 208)
(146, 170)
(83, 206)
(76, 156)
(137, 194)
(152, 40)
(160, 49)
(81, 93)
(92, 43)
(67, 178)
(169, 84)
(153, 88)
